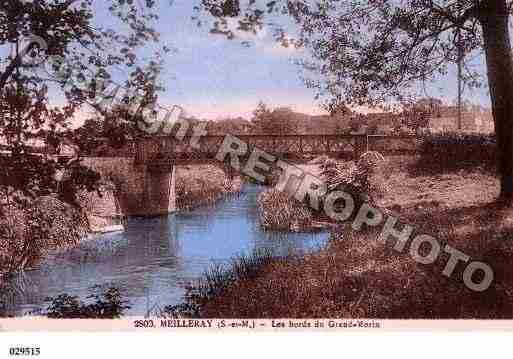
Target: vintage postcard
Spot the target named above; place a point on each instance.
(267, 166)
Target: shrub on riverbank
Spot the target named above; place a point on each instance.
(108, 304)
(278, 211)
(202, 185)
(101, 208)
(366, 181)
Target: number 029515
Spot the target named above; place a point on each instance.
(24, 351)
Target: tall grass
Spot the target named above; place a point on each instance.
(278, 211)
(218, 279)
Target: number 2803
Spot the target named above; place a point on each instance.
(24, 351)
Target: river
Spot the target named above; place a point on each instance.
(152, 260)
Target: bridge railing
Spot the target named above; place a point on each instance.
(170, 149)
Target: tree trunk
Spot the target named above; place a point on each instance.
(494, 20)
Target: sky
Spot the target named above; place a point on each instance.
(212, 77)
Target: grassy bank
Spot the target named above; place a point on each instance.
(202, 185)
(358, 276)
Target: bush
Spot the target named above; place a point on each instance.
(27, 231)
(279, 211)
(366, 180)
(106, 305)
(455, 151)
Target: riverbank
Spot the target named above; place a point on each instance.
(27, 233)
(203, 185)
(357, 276)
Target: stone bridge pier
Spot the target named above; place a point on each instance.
(158, 195)
(140, 189)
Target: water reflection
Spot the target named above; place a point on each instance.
(152, 260)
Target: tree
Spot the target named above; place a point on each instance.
(279, 121)
(52, 50)
(431, 106)
(416, 115)
(57, 52)
(369, 52)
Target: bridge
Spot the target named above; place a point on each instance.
(181, 151)
(155, 158)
